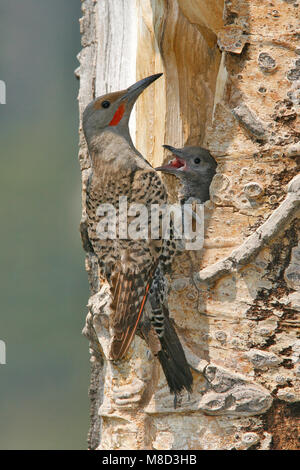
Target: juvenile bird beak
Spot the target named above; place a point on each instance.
(177, 163)
(135, 90)
(172, 149)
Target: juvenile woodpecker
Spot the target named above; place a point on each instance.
(129, 265)
(195, 168)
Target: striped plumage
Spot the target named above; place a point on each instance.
(128, 265)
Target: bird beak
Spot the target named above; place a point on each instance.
(133, 92)
(172, 149)
(174, 165)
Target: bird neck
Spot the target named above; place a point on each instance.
(193, 188)
(98, 141)
(112, 148)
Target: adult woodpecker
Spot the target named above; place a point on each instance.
(195, 168)
(129, 265)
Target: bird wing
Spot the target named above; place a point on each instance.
(129, 296)
(130, 283)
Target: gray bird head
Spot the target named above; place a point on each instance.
(113, 110)
(195, 167)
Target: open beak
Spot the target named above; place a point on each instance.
(175, 164)
(134, 91)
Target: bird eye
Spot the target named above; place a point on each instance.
(197, 160)
(105, 104)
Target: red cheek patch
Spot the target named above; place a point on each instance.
(118, 115)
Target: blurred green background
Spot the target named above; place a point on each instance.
(44, 290)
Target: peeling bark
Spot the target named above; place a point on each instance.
(230, 83)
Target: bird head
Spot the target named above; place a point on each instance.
(113, 109)
(195, 167)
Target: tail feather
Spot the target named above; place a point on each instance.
(173, 361)
(171, 354)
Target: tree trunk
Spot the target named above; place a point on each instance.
(230, 84)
